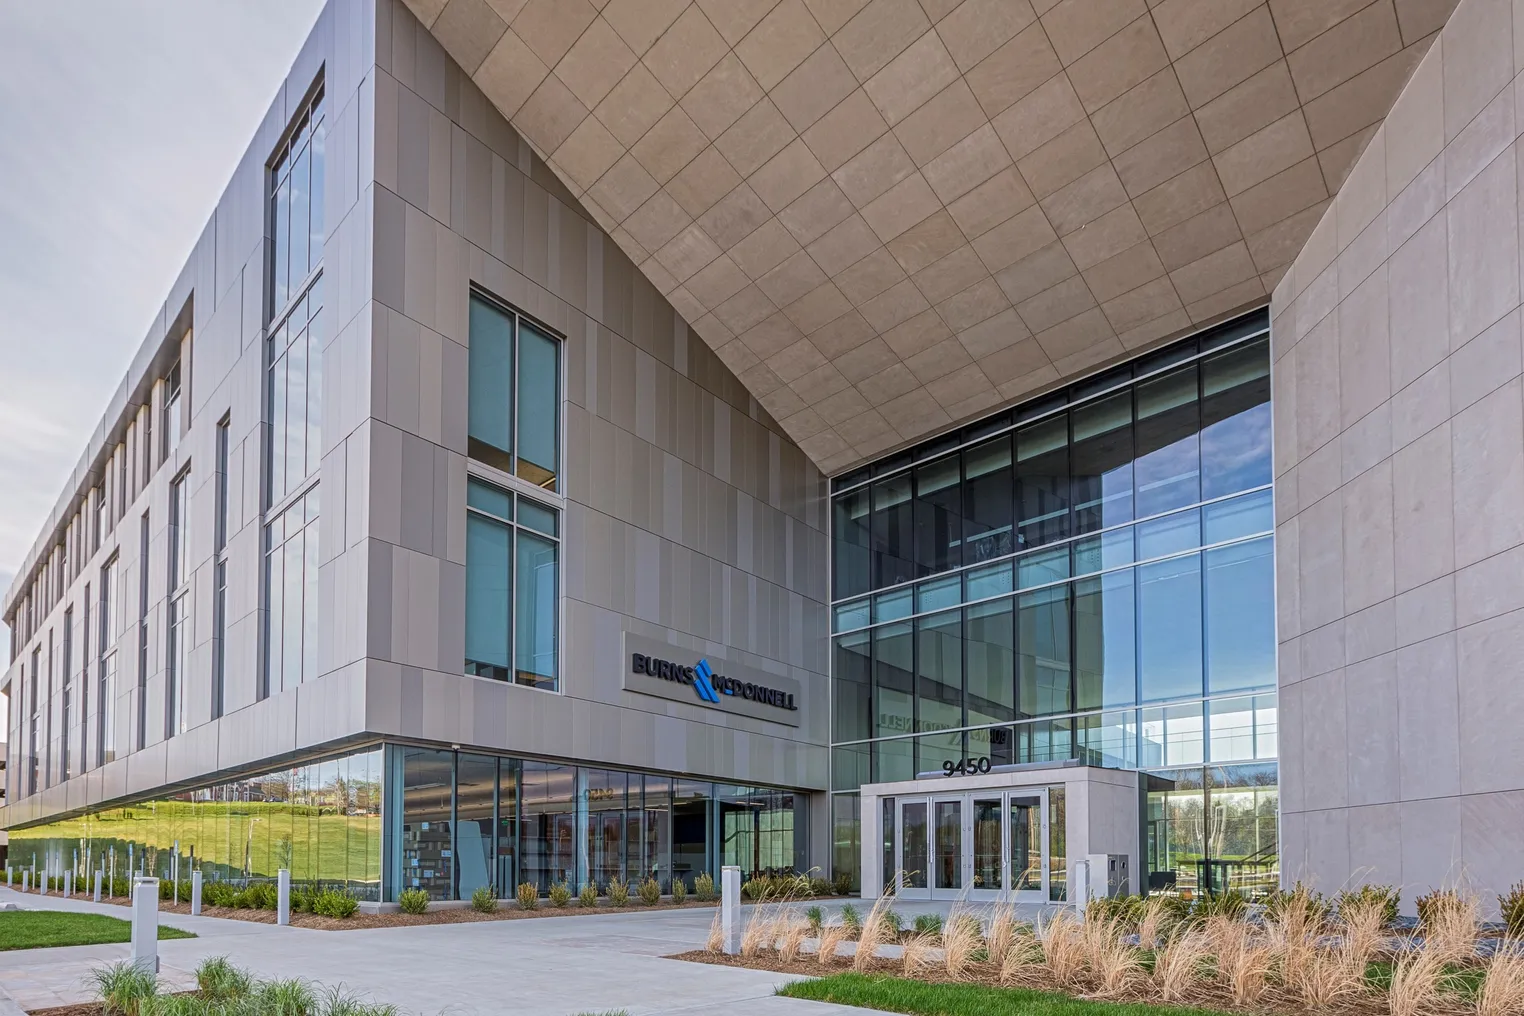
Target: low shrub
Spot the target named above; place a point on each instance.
(528, 895)
(816, 918)
(851, 919)
(484, 899)
(1386, 896)
(1126, 909)
(841, 883)
(413, 901)
(679, 890)
(1230, 904)
(821, 887)
(589, 895)
(339, 903)
(303, 898)
(928, 924)
(619, 893)
(560, 893)
(219, 894)
(1431, 905)
(291, 997)
(762, 888)
(893, 923)
(1511, 904)
(703, 887)
(649, 892)
(1301, 902)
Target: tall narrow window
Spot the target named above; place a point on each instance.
(79, 733)
(511, 587)
(172, 411)
(220, 570)
(146, 446)
(67, 679)
(105, 668)
(142, 696)
(48, 752)
(514, 398)
(98, 517)
(294, 404)
(31, 709)
(177, 630)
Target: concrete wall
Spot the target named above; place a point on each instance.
(1399, 434)
(689, 517)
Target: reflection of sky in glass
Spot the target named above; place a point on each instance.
(1235, 453)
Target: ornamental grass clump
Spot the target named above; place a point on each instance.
(703, 887)
(831, 938)
(1502, 991)
(560, 893)
(915, 954)
(528, 896)
(123, 988)
(218, 979)
(588, 897)
(1178, 964)
(962, 940)
(791, 938)
(413, 901)
(679, 891)
(716, 941)
(619, 893)
(649, 892)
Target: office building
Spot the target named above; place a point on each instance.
(623, 439)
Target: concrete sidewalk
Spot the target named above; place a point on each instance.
(554, 967)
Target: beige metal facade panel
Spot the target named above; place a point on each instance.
(890, 215)
(1399, 445)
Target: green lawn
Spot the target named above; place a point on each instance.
(36, 929)
(893, 994)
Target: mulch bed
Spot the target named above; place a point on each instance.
(82, 1009)
(463, 915)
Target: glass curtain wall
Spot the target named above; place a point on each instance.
(548, 823)
(320, 820)
(1088, 576)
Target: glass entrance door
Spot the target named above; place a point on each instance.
(952, 849)
(983, 846)
(1028, 839)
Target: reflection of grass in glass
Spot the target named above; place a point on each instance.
(323, 844)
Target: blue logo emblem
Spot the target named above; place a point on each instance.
(701, 683)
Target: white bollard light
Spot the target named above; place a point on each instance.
(283, 897)
(145, 924)
(25, 881)
(730, 908)
(196, 893)
(97, 885)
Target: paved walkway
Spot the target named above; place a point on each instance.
(548, 967)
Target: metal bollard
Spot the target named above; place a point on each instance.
(195, 899)
(283, 897)
(25, 880)
(145, 924)
(97, 885)
(730, 908)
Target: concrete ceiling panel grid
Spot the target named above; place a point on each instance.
(905, 212)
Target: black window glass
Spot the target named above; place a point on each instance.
(1103, 463)
(1235, 420)
(1042, 477)
(853, 684)
(988, 501)
(938, 522)
(893, 528)
(991, 661)
(1168, 468)
(894, 680)
(1043, 646)
(850, 541)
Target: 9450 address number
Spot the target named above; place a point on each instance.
(965, 766)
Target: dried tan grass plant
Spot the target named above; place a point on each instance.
(831, 936)
(915, 954)
(1244, 961)
(1154, 923)
(716, 941)
(1417, 983)
(874, 933)
(1022, 959)
(962, 937)
(761, 930)
(1063, 949)
(1332, 977)
(1502, 991)
(791, 938)
(1451, 927)
(1114, 964)
(1364, 929)
(1002, 931)
(1178, 965)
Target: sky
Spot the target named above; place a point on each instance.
(120, 124)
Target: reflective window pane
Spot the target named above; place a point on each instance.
(1169, 628)
(1241, 516)
(488, 596)
(990, 649)
(539, 399)
(489, 423)
(938, 521)
(1168, 468)
(1105, 641)
(1240, 619)
(893, 680)
(849, 543)
(1235, 420)
(852, 685)
(988, 501)
(1042, 643)
(989, 581)
(1042, 476)
(939, 683)
(535, 611)
(939, 593)
(893, 531)
(1103, 463)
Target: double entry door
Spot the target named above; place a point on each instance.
(978, 846)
